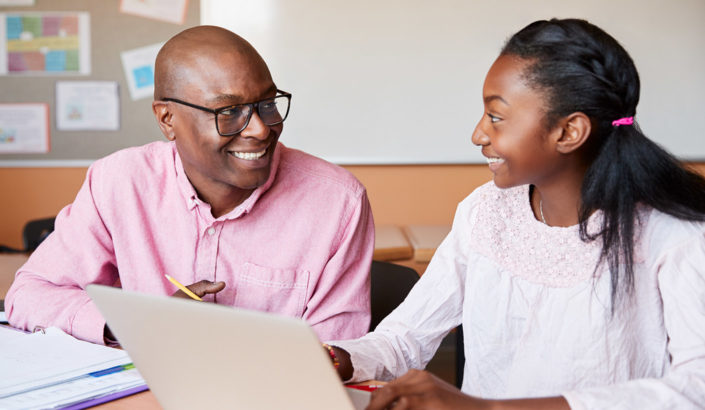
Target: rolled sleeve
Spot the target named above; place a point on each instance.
(49, 290)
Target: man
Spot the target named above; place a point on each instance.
(222, 206)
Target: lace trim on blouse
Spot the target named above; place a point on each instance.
(507, 232)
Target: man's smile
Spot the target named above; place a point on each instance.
(248, 155)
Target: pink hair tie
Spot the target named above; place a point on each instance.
(623, 121)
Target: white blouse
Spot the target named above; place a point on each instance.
(537, 317)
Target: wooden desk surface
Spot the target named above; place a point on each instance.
(425, 239)
(146, 401)
(411, 246)
(142, 400)
(391, 244)
(9, 263)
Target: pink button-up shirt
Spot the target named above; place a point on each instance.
(300, 245)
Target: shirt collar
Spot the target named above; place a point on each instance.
(191, 197)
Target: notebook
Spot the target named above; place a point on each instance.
(202, 355)
(50, 369)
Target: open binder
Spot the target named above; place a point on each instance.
(51, 369)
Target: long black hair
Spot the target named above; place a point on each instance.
(580, 68)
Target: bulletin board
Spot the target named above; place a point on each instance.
(111, 33)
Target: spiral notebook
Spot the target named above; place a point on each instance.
(202, 355)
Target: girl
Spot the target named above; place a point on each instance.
(579, 272)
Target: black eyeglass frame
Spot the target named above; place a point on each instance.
(252, 106)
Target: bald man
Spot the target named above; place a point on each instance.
(222, 207)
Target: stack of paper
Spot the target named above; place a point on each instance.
(51, 369)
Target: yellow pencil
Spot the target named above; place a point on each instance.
(183, 288)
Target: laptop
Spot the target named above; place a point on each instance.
(202, 355)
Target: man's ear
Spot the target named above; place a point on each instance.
(164, 118)
(576, 129)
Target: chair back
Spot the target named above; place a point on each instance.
(35, 232)
(390, 284)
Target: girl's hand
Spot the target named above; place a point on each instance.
(201, 289)
(419, 389)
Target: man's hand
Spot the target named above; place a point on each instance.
(108, 337)
(419, 389)
(201, 289)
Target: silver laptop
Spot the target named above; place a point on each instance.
(202, 355)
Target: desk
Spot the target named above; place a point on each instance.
(9, 263)
(425, 239)
(411, 246)
(146, 401)
(391, 244)
(143, 400)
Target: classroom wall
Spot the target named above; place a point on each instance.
(400, 195)
(395, 72)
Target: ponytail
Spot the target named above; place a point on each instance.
(580, 68)
(631, 170)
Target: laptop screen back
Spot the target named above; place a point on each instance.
(201, 355)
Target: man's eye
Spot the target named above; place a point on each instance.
(268, 106)
(231, 112)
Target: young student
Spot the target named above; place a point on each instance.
(579, 272)
(222, 207)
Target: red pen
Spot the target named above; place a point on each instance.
(369, 387)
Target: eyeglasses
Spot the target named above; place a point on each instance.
(233, 119)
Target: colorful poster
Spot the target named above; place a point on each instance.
(24, 128)
(139, 70)
(173, 11)
(46, 43)
(87, 105)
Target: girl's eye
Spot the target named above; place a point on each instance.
(493, 118)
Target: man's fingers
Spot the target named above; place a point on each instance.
(201, 289)
(205, 287)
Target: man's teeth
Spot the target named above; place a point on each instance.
(493, 160)
(249, 155)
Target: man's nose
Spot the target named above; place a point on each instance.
(256, 128)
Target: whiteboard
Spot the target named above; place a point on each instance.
(400, 81)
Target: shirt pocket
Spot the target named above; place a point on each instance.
(281, 291)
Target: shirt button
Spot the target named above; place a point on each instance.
(211, 231)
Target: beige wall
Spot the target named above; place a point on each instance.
(401, 195)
